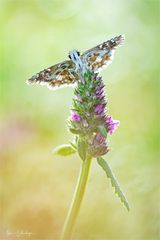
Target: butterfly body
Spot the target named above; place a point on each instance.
(69, 71)
(76, 58)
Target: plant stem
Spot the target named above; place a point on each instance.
(76, 201)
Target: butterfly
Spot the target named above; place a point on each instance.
(68, 72)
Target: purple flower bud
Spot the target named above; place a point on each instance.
(85, 123)
(99, 139)
(100, 96)
(98, 78)
(99, 88)
(78, 97)
(99, 108)
(75, 116)
(111, 124)
(98, 147)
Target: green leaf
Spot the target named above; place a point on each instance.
(74, 131)
(102, 130)
(114, 182)
(64, 150)
(82, 149)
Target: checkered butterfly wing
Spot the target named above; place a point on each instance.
(56, 76)
(101, 56)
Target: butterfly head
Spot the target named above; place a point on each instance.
(75, 57)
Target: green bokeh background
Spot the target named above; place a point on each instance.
(37, 187)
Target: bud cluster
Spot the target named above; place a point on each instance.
(89, 119)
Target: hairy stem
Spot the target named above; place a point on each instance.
(76, 201)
